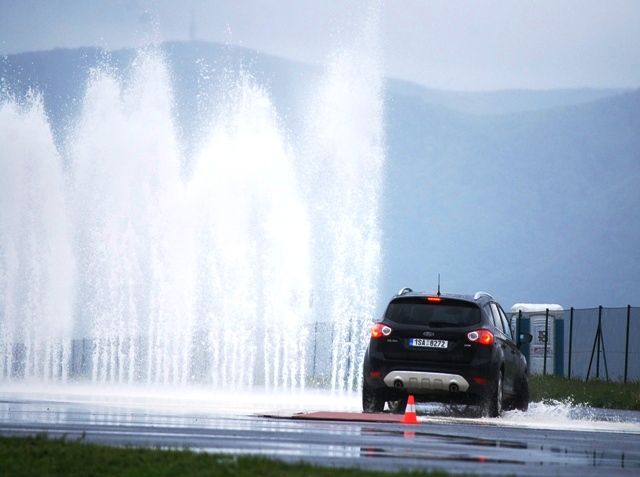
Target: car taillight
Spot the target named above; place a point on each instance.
(483, 337)
(379, 330)
(434, 299)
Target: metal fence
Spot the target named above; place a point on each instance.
(589, 343)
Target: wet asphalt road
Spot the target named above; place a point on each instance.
(455, 445)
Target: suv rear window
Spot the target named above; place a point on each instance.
(448, 313)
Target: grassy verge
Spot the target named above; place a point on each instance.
(610, 395)
(39, 456)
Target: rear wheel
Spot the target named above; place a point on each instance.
(398, 406)
(371, 399)
(492, 405)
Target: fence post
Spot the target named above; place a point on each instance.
(518, 327)
(315, 341)
(626, 346)
(570, 340)
(598, 342)
(546, 341)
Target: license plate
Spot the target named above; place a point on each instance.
(424, 343)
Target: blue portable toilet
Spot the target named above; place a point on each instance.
(533, 320)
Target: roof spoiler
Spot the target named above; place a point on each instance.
(482, 293)
(404, 291)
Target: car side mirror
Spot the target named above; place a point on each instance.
(524, 338)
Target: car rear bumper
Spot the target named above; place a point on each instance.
(431, 381)
(417, 381)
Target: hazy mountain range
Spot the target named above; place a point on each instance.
(531, 195)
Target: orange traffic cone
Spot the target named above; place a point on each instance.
(410, 413)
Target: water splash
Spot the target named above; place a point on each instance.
(253, 240)
(346, 142)
(209, 269)
(129, 201)
(36, 259)
(568, 415)
(548, 414)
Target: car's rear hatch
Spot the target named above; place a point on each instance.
(429, 329)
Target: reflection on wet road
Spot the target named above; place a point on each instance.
(455, 444)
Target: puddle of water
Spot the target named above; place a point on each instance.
(186, 398)
(562, 415)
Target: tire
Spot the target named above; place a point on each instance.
(371, 400)
(521, 402)
(398, 406)
(492, 405)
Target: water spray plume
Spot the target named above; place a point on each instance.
(124, 262)
(37, 265)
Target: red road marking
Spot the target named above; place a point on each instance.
(348, 416)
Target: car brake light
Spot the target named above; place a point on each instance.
(483, 337)
(434, 299)
(379, 330)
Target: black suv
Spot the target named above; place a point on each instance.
(445, 348)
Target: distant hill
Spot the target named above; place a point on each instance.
(533, 195)
(499, 102)
(61, 75)
(542, 204)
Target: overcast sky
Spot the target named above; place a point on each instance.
(453, 44)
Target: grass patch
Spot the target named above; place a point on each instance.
(612, 395)
(40, 456)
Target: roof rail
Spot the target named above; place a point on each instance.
(482, 293)
(404, 290)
